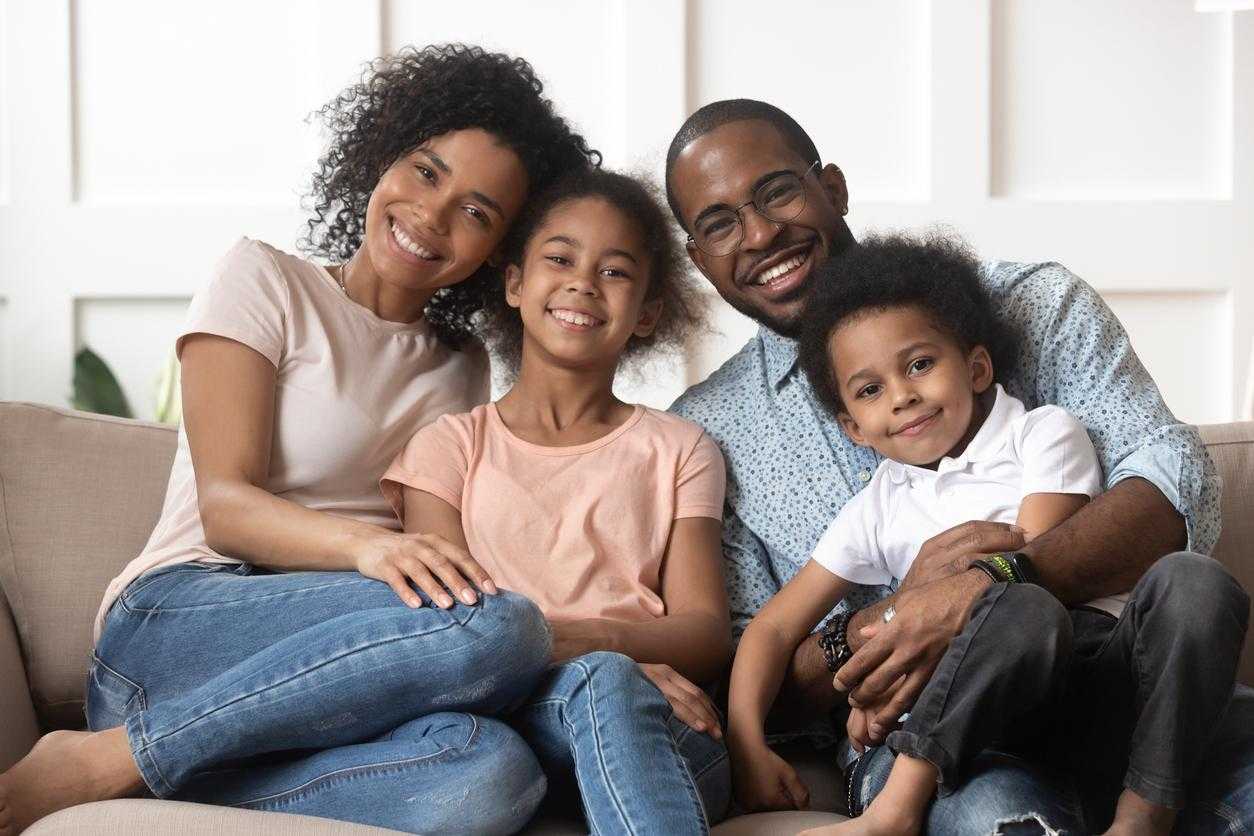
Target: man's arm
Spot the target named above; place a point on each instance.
(1162, 496)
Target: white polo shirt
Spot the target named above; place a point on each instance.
(878, 533)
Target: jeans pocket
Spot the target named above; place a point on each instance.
(111, 697)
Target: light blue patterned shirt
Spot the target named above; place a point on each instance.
(790, 468)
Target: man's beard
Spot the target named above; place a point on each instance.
(790, 328)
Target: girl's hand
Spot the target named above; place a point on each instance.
(429, 561)
(690, 704)
(765, 781)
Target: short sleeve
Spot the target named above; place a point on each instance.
(435, 460)
(246, 300)
(1057, 455)
(849, 547)
(701, 482)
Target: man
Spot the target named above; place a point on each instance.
(730, 172)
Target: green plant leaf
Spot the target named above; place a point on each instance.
(95, 387)
(169, 405)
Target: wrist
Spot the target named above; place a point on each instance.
(746, 740)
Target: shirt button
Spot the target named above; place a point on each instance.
(864, 475)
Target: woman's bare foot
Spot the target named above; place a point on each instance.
(1134, 816)
(64, 769)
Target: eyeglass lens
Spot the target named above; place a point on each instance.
(779, 199)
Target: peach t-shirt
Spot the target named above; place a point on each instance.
(350, 390)
(580, 530)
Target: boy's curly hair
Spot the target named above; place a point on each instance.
(401, 101)
(667, 273)
(935, 273)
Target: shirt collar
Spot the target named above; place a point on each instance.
(991, 436)
(780, 353)
(989, 440)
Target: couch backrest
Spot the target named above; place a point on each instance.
(80, 493)
(1232, 448)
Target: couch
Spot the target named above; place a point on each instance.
(79, 494)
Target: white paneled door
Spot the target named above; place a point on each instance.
(139, 139)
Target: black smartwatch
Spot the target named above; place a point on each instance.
(834, 642)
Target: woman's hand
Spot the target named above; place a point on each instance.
(690, 704)
(429, 561)
(765, 781)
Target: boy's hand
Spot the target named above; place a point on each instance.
(857, 727)
(765, 781)
(690, 704)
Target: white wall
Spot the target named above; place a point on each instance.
(139, 138)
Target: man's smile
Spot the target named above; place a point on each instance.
(782, 272)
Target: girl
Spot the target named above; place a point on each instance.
(253, 655)
(606, 514)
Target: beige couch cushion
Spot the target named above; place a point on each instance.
(79, 495)
(1232, 448)
(145, 816)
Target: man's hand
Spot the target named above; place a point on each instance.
(902, 654)
(765, 781)
(951, 552)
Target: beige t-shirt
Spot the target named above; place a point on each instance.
(350, 390)
(580, 530)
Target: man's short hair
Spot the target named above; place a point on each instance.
(715, 115)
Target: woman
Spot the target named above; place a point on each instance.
(273, 647)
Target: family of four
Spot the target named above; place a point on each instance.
(936, 502)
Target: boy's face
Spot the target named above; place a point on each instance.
(908, 388)
(581, 288)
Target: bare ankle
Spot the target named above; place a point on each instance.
(1137, 815)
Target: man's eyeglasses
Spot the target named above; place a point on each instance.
(779, 200)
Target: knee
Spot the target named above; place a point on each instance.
(489, 754)
(520, 632)
(1029, 619)
(1191, 589)
(608, 673)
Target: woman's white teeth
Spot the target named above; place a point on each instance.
(575, 318)
(780, 269)
(411, 246)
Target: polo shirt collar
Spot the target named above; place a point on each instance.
(780, 354)
(989, 440)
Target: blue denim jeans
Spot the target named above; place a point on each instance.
(603, 730)
(321, 693)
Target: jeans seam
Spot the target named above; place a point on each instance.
(142, 756)
(596, 734)
(323, 663)
(946, 781)
(249, 599)
(354, 771)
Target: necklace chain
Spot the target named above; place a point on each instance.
(339, 277)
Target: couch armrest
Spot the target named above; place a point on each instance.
(19, 729)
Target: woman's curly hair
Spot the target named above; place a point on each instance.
(667, 273)
(936, 273)
(405, 99)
